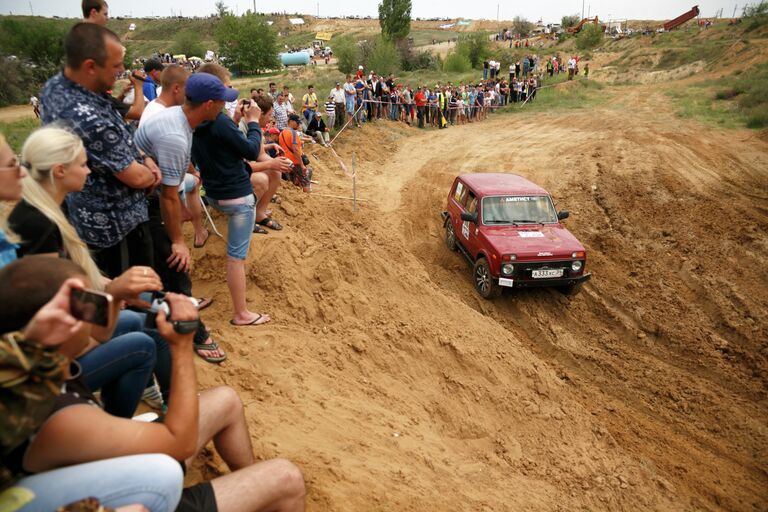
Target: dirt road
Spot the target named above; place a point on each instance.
(395, 387)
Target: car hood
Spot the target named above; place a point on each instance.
(534, 241)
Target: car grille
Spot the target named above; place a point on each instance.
(523, 270)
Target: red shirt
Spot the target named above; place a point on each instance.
(420, 100)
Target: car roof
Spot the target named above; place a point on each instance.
(498, 183)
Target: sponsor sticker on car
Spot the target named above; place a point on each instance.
(531, 234)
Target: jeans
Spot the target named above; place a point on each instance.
(242, 216)
(153, 480)
(121, 369)
(132, 321)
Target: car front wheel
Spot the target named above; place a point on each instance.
(450, 236)
(570, 289)
(485, 284)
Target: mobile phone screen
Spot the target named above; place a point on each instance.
(90, 306)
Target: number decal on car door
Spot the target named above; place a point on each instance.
(465, 229)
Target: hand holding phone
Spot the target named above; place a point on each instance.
(90, 306)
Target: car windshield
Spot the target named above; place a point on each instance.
(518, 210)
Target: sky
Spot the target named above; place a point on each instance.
(547, 10)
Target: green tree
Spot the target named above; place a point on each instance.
(569, 21)
(221, 9)
(384, 59)
(474, 46)
(40, 41)
(521, 26)
(188, 42)
(347, 54)
(248, 43)
(589, 37)
(395, 19)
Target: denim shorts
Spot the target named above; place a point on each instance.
(350, 106)
(242, 216)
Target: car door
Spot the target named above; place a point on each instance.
(468, 231)
(455, 207)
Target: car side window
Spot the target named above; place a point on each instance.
(471, 203)
(459, 194)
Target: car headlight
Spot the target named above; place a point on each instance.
(507, 269)
(577, 265)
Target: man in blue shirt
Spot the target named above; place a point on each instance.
(110, 214)
(153, 68)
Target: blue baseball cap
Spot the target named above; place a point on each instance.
(203, 87)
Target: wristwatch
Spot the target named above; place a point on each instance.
(185, 326)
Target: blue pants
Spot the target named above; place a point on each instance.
(132, 321)
(153, 480)
(121, 369)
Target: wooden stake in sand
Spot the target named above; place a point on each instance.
(354, 185)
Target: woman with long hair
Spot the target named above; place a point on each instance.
(56, 164)
(11, 174)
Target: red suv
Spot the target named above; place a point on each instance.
(509, 230)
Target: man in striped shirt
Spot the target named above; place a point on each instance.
(280, 112)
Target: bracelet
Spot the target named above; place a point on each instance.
(185, 326)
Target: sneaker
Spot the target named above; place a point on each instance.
(152, 395)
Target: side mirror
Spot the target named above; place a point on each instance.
(471, 217)
(563, 215)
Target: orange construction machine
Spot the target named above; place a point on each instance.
(577, 28)
(682, 18)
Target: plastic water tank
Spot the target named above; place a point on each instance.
(294, 59)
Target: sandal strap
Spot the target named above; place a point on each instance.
(206, 346)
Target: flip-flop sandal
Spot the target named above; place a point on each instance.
(255, 322)
(204, 302)
(270, 223)
(276, 199)
(207, 236)
(259, 230)
(209, 347)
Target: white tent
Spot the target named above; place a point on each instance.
(296, 21)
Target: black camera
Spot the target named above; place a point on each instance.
(305, 159)
(158, 303)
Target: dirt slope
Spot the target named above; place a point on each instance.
(396, 388)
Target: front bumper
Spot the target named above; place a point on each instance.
(537, 283)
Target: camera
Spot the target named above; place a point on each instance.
(157, 304)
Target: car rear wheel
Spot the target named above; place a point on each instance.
(450, 235)
(485, 284)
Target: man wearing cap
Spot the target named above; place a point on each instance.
(339, 100)
(291, 142)
(318, 130)
(309, 103)
(222, 152)
(153, 68)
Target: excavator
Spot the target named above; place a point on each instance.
(672, 24)
(575, 29)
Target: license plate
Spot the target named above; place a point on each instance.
(503, 281)
(554, 272)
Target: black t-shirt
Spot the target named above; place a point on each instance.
(121, 107)
(38, 234)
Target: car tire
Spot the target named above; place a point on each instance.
(450, 236)
(570, 289)
(484, 282)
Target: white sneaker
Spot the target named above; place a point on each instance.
(152, 395)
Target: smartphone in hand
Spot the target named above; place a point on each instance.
(90, 306)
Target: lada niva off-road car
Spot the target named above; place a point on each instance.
(509, 231)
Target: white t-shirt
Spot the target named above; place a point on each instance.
(152, 108)
(338, 95)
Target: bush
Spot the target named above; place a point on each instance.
(756, 16)
(17, 84)
(727, 94)
(347, 55)
(569, 21)
(457, 62)
(589, 37)
(187, 42)
(758, 118)
(384, 59)
(247, 43)
(412, 61)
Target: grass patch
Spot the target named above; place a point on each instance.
(578, 95)
(17, 132)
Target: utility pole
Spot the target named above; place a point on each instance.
(734, 10)
(589, 10)
(254, 6)
(497, 13)
(30, 8)
(582, 9)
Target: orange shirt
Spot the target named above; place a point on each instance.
(287, 139)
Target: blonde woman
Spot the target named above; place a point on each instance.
(55, 163)
(11, 174)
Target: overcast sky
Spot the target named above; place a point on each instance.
(548, 10)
